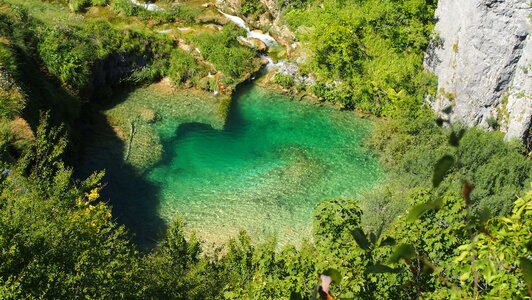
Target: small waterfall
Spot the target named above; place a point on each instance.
(267, 39)
(237, 20)
(246, 41)
(271, 63)
(147, 6)
(264, 37)
(164, 31)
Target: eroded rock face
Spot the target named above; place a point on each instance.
(482, 56)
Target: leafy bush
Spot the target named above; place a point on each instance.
(409, 148)
(100, 2)
(224, 52)
(291, 4)
(65, 57)
(125, 7)
(372, 50)
(183, 67)
(56, 239)
(81, 5)
(286, 81)
(251, 7)
(187, 14)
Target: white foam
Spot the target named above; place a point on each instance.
(264, 37)
(271, 63)
(147, 6)
(237, 20)
(164, 31)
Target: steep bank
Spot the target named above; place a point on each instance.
(482, 56)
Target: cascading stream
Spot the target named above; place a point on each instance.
(267, 39)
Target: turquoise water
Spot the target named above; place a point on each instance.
(265, 172)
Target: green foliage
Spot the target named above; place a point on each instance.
(55, 240)
(188, 14)
(286, 81)
(410, 148)
(125, 7)
(498, 253)
(441, 168)
(334, 220)
(224, 52)
(183, 67)
(65, 57)
(12, 98)
(448, 258)
(176, 270)
(251, 8)
(368, 54)
(81, 5)
(291, 4)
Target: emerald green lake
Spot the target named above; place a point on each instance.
(265, 172)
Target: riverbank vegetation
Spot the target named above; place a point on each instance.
(453, 219)
(366, 54)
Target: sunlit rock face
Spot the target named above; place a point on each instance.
(483, 59)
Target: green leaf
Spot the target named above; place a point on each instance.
(441, 168)
(315, 293)
(373, 238)
(378, 268)
(334, 274)
(526, 268)
(427, 269)
(389, 241)
(295, 296)
(360, 238)
(417, 211)
(447, 110)
(402, 251)
(484, 215)
(455, 137)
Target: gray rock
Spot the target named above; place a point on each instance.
(292, 69)
(482, 57)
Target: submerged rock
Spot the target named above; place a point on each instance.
(258, 44)
(148, 115)
(214, 26)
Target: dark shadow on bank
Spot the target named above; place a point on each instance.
(134, 200)
(235, 120)
(233, 126)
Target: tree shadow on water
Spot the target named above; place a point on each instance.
(134, 200)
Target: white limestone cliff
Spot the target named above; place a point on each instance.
(482, 56)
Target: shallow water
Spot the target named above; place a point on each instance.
(265, 172)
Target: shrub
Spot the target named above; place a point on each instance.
(79, 5)
(66, 58)
(125, 7)
(251, 7)
(286, 81)
(183, 67)
(224, 52)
